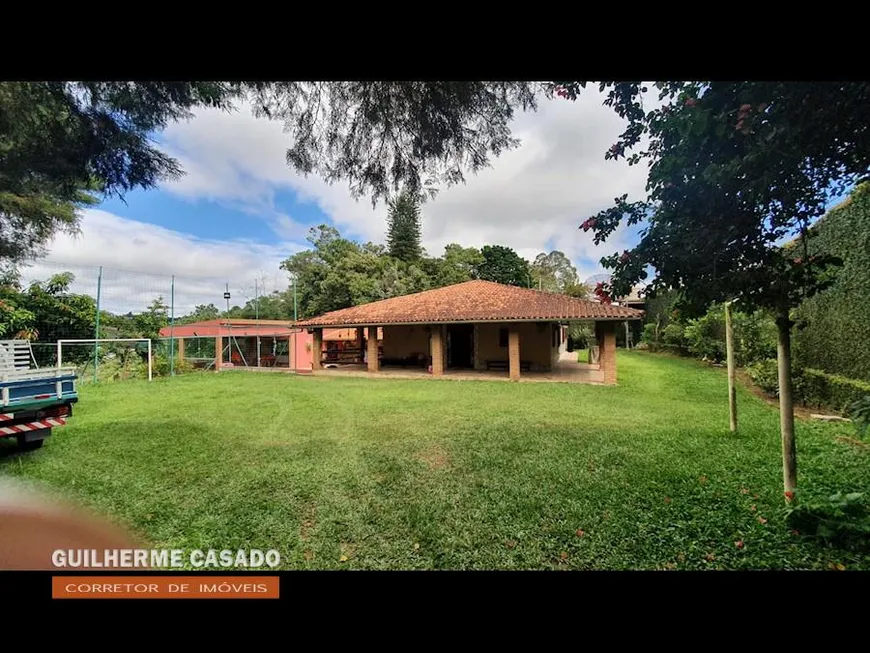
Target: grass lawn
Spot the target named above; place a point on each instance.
(423, 474)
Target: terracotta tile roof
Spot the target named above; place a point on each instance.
(474, 301)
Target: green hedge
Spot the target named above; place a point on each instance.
(836, 323)
(823, 390)
(811, 387)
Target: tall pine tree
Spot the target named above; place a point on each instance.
(403, 228)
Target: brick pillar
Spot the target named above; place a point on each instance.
(605, 332)
(437, 351)
(372, 352)
(218, 353)
(360, 342)
(317, 349)
(179, 348)
(514, 353)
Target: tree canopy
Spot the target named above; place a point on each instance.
(45, 310)
(63, 142)
(403, 228)
(383, 136)
(504, 265)
(736, 169)
(553, 272)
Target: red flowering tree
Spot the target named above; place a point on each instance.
(737, 169)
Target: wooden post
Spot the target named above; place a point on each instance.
(179, 347)
(360, 343)
(372, 350)
(218, 353)
(317, 349)
(786, 405)
(436, 350)
(514, 353)
(729, 348)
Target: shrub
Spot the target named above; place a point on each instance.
(755, 337)
(705, 336)
(837, 518)
(832, 391)
(160, 366)
(859, 411)
(764, 374)
(580, 335)
(673, 334)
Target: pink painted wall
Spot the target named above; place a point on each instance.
(301, 344)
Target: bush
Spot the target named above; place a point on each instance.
(648, 335)
(824, 390)
(580, 335)
(160, 366)
(859, 411)
(839, 518)
(755, 336)
(765, 375)
(674, 334)
(705, 336)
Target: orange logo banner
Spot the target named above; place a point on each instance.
(165, 587)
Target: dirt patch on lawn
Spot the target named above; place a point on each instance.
(434, 457)
(309, 521)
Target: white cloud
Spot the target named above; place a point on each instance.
(152, 254)
(535, 194)
(531, 196)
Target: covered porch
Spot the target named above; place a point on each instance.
(521, 351)
(475, 330)
(564, 371)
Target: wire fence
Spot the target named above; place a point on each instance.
(102, 319)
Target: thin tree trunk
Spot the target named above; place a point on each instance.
(729, 348)
(786, 405)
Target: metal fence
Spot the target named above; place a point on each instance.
(78, 305)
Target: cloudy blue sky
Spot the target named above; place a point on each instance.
(239, 210)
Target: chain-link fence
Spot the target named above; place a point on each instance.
(102, 320)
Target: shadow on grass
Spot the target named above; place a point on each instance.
(9, 449)
(840, 521)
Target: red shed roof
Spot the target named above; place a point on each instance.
(238, 327)
(243, 328)
(474, 301)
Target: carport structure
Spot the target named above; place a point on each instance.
(478, 327)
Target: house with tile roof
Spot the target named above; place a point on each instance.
(477, 326)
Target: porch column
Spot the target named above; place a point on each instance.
(291, 353)
(179, 348)
(437, 350)
(514, 353)
(605, 332)
(218, 353)
(316, 349)
(372, 351)
(360, 343)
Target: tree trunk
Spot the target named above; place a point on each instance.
(729, 348)
(786, 405)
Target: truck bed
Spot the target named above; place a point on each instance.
(25, 388)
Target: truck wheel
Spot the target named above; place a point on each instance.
(29, 445)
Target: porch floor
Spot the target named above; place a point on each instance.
(564, 371)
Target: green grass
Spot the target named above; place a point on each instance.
(423, 474)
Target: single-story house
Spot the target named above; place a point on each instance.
(477, 326)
